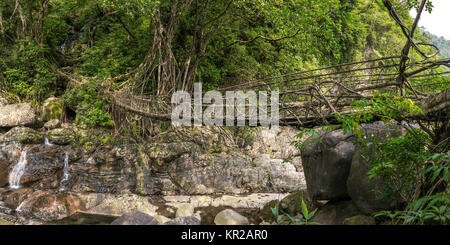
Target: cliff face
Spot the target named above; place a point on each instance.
(59, 174)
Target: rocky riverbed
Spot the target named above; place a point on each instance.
(54, 173)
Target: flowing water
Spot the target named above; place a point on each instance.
(46, 142)
(18, 171)
(65, 176)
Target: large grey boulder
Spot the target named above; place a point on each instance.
(326, 162)
(135, 218)
(230, 217)
(17, 115)
(366, 192)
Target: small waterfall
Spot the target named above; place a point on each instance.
(65, 176)
(18, 171)
(46, 142)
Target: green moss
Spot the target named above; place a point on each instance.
(5, 222)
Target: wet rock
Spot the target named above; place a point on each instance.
(135, 218)
(52, 124)
(14, 198)
(22, 135)
(335, 212)
(17, 115)
(48, 207)
(230, 217)
(51, 109)
(326, 161)
(366, 192)
(186, 220)
(4, 170)
(185, 210)
(61, 136)
(359, 220)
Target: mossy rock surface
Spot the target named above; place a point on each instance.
(5, 222)
(292, 204)
(52, 109)
(23, 135)
(359, 220)
(61, 136)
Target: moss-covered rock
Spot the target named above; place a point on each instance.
(61, 136)
(52, 109)
(4, 222)
(359, 220)
(292, 204)
(23, 135)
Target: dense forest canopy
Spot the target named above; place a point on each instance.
(217, 43)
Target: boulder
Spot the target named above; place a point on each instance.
(61, 136)
(230, 217)
(48, 207)
(335, 212)
(17, 115)
(22, 135)
(185, 210)
(135, 218)
(52, 124)
(292, 204)
(366, 192)
(52, 109)
(359, 220)
(186, 220)
(326, 161)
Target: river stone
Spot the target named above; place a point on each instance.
(61, 136)
(366, 192)
(17, 115)
(22, 135)
(52, 124)
(185, 210)
(326, 161)
(135, 218)
(51, 109)
(230, 217)
(359, 220)
(186, 220)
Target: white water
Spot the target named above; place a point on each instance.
(65, 176)
(18, 171)
(46, 142)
